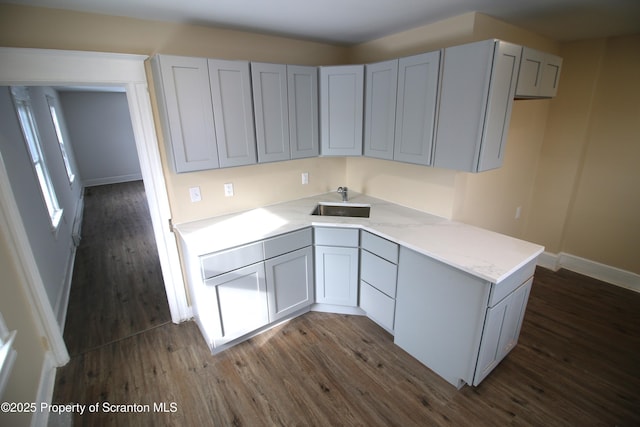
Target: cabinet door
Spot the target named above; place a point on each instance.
(184, 100)
(478, 86)
(242, 302)
(416, 110)
(336, 275)
(341, 106)
(233, 112)
(379, 307)
(381, 85)
(303, 111)
(289, 282)
(269, 84)
(550, 76)
(501, 330)
(539, 74)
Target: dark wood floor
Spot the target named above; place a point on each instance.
(117, 288)
(577, 364)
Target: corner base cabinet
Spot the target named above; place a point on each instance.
(458, 325)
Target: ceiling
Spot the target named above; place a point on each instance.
(356, 21)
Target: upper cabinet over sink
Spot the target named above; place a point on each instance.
(477, 90)
(341, 98)
(400, 108)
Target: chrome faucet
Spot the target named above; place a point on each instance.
(343, 192)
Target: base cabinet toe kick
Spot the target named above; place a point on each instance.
(459, 325)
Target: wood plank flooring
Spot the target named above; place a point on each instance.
(117, 288)
(577, 364)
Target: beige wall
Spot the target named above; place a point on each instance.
(586, 198)
(18, 315)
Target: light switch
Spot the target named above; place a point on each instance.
(305, 178)
(194, 193)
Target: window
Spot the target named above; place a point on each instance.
(61, 144)
(34, 146)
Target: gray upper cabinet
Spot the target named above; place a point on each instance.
(416, 107)
(477, 91)
(302, 85)
(269, 83)
(341, 110)
(285, 99)
(381, 85)
(184, 101)
(233, 112)
(539, 74)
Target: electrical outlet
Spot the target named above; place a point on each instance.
(518, 212)
(194, 193)
(305, 178)
(228, 189)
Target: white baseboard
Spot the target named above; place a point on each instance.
(45, 390)
(606, 273)
(112, 180)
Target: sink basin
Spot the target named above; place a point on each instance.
(342, 209)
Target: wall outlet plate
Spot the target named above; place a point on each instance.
(194, 193)
(305, 178)
(228, 189)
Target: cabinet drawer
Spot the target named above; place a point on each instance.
(326, 236)
(222, 262)
(511, 283)
(379, 246)
(378, 306)
(287, 243)
(379, 273)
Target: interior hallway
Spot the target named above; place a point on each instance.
(117, 289)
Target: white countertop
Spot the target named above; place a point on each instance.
(482, 253)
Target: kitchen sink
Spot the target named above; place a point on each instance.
(342, 209)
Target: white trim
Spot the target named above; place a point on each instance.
(11, 225)
(112, 180)
(45, 390)
(60, 309)
(61, 68)
(594, 269)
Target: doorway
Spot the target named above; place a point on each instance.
(63, 68)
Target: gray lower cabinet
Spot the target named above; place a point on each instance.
(336, 264)
(241, 301)
(244, 289)
(477, 91)
(289, 282)
(458, 325)
(341, 110)
(501, 330)
(378, 278)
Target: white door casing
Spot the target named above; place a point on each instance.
(39, 67)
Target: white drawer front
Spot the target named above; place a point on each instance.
(378, 306)
(225, 261)
(379, 273)
(347, 237)
(379, 246)
(287, 243)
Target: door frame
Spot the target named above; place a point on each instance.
(43, 67)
